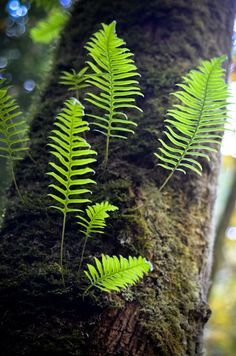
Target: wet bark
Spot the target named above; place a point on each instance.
(166, 313)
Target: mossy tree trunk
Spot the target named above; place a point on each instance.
(165, 314)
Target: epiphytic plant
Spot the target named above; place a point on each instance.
(113, 273)
(75, 81)
(94, 222)
(194, 125)
(13, 128)
(73, 155)
(112, 72)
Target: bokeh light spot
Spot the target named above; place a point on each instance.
(231, 233)
(13, 5)
(22, 11)
(16, 10)
(65, 3)
(3, 62)
(29, 85)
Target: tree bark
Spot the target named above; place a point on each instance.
(166, 313)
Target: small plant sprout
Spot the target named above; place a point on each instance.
(94, 222)
(74, 81)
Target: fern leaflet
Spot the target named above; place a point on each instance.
(73, 155)
(96, 216)
(13, 140)
(113, 73)
(75, 81)
(195, 123)
(13, 129)
(95, 221)
(113, 273)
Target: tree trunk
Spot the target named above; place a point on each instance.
(166, 313)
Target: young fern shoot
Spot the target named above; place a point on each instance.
(194, 125)
(13, 129)
(73, 157)
(114, 274)
(75, 81)
(112, 73)
(94, 222)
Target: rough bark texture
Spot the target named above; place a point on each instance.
(166, 313)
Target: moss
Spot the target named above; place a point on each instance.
(175, 273)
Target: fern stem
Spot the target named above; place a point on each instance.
(87, 289)
(106, 151)
(77, 94)
(62, 241)
(77, 97)
(82, 253)
(111, 108)
(15, 183)
(39, 167)
(166, 181)
(67, 200)
(24, 200)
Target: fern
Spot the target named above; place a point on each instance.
(195, 123)
(113, 73)
(95, 221)
(96, 216)
(113, 273)
(73, 155)
(75, 81)
(48, 29)
(13, 139)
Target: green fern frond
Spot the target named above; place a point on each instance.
(95, 219)
(75, 81)
(113, 273)
(13, 129)
(195, 124)
(113, 73)
(95, 222)
(73, 157)
(49, 29)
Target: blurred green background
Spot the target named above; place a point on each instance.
(28, 34)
